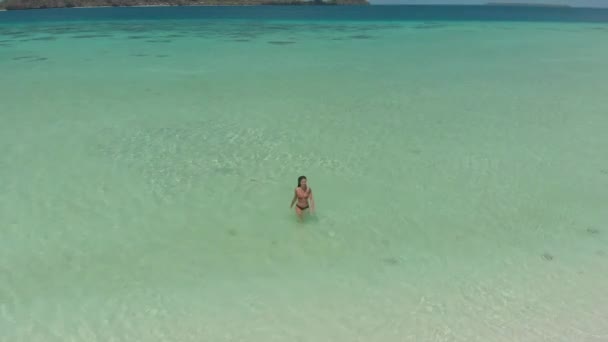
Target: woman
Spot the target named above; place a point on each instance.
(302, 194)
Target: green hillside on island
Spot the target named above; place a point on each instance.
(38, 4)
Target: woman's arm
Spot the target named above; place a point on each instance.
(312, 202)
(295, 197)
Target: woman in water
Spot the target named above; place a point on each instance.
(302, 194)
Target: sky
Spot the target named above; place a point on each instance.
(578, 3)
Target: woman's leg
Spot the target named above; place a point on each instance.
(300, 213)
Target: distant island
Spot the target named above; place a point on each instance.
(524, 4)
(40, 4)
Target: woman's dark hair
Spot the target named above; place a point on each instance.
(300, 180)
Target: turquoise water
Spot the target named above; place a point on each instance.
(459, 170)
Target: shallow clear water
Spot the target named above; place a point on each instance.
(459, 170)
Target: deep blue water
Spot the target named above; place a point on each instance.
(397, 13)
